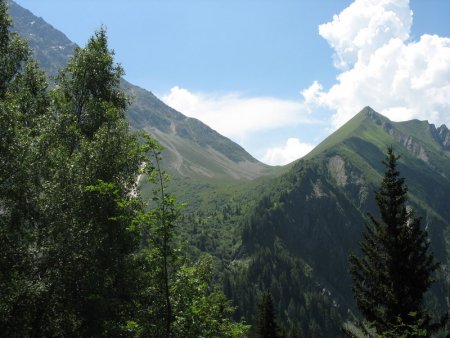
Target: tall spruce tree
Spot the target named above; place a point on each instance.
(266, 325)
(395, 269)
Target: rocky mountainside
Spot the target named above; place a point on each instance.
(192, 149)
(313, 218)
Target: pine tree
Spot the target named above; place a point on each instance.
(266, 326)
(396, 266)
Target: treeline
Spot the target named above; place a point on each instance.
(80, 255)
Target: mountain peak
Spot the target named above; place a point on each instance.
(442, 136)
(415, 136)
(368, 112)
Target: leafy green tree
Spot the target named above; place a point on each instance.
(24, 103)
(13, 52)
(87, 201)
(266, 325)
(79, 256)
(395, 269)
(200, 310)
(177, 298)
(159, 251)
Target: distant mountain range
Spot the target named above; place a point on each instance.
(192, 148)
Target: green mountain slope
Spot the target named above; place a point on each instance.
(216, 178)
(192, 149)
(291, 234)
(313, 218)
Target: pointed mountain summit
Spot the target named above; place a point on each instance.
(192, 148)
(312, 217)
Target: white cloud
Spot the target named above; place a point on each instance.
(235, 116)
(382, 68)
(291, 151)
(364, 26)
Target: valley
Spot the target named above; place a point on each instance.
(287, 229)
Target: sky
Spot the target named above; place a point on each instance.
(275, 76)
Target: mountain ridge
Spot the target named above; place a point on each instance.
(316, 212)
(178, 133)
(301, 225)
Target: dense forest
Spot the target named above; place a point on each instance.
(94, 243)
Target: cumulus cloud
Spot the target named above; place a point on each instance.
(381, 67)
(291, 151)
(235, 116)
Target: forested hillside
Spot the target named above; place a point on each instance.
(209, 173)
(109, 231)
(81, 256)
(297, 240)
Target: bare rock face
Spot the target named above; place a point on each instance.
(415, 148)
(408, 141)
(443, 136)
(348, 178)
(336, 167)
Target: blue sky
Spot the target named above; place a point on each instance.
(263, 73)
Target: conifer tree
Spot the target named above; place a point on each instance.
(395, 269)
(266, 326)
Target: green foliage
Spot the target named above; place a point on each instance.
(200, 310)
(68, 167)
(266, 326)
(316, 211)
(396, 267)
(89, 86)
(19, 164)
(158, 230)
(80, 257)
(86, 201)
(13, 51)
(302, 308)
(177, 298)
(400, 330)
(68, 204)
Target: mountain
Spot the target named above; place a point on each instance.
(291, 229)
(192, 148)
(297, 239)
